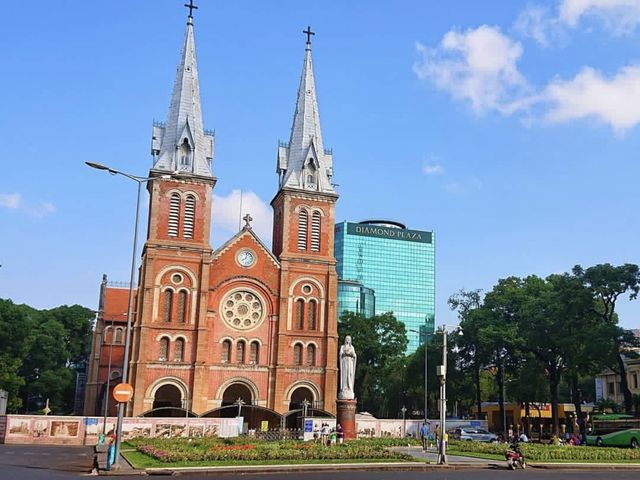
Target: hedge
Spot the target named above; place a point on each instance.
(549, 453)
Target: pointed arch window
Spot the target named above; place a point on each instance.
(316, 221)
(254, 355)
(164, 349)
(185, 154)
(313, 314)
(303, 222)
(167, 305)
(179, 350)
(240, 351)
(297, 354)
(174, 215)
(189, 216)
(226, 351)
(311, 356)
(299, 314)
(108, 335)
(182, 306)
(310, 174)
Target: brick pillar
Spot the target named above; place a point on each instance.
(346, 417)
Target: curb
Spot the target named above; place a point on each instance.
(586, 466)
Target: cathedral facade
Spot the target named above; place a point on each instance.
(243, 324)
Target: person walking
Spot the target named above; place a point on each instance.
(424, 435)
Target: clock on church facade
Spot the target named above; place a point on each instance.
(243, 321)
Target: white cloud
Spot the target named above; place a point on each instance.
(10, 200)
(227, 216)
(478, 66)
(42, 210)
(537, 22)
(614, 100)
(14, 202)
(432, 169)
(618, 16)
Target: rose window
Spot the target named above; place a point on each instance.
(242, 310)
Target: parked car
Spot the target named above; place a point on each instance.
(476, 434)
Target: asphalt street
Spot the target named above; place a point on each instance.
(18, 462)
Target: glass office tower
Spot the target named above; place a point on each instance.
(355, 297)
(398, 264)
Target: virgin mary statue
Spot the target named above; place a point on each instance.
(347, 370)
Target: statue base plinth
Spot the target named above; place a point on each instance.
(346, 417)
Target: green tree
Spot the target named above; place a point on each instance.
(471, 352)
(380, 342)
(607, 283)
(15, 325)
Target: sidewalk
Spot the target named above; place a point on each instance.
(452, 460)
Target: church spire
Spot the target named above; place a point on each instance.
(303, 163)
(182, 144)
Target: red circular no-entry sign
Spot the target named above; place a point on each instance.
(122, 392)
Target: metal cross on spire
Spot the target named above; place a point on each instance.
(191, 8)
(308, 33)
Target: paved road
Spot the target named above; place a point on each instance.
(18, 462)
(46, 462)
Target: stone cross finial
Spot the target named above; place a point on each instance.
(191, 8)
(308, 33)
(247, 220)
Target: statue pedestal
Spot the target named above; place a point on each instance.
(346, 417)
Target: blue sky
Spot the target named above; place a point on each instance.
(509, 128)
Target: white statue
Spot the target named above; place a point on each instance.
(347, 370)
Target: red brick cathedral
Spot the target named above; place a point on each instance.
(240, 322)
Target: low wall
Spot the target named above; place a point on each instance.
(57, 430)
(380, 427)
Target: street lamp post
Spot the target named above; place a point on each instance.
(404, 421)
(442, 373)
(127, 342)
(106, 393)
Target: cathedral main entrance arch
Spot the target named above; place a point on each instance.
(167, 402)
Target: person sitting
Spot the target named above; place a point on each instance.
(523, 438)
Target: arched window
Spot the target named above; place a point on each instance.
(185, 154)
(182, 306)
(164, 349)
(299, 314)
(226, 351)
(118, 335)
(303, 222)
(311, 174)
(313, 311)
(240, 349)
(174, 215)
(179, 350)
(297, 354)
(315, 231)
(311, 356)
(254, 355)
(189, 216)
(168, 305)
(108, 335)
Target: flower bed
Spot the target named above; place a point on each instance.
(173, 450)
(551, 453)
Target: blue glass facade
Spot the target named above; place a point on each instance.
(398, 264)
(355, 297)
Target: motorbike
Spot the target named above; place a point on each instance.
(515, 457)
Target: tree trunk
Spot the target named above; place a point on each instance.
(476, 365)
(577, 402)
(624, 386)
(553, 389)
(500, 379)
(527, 414)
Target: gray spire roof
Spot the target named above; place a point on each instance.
(303, 163)
(182, 144)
